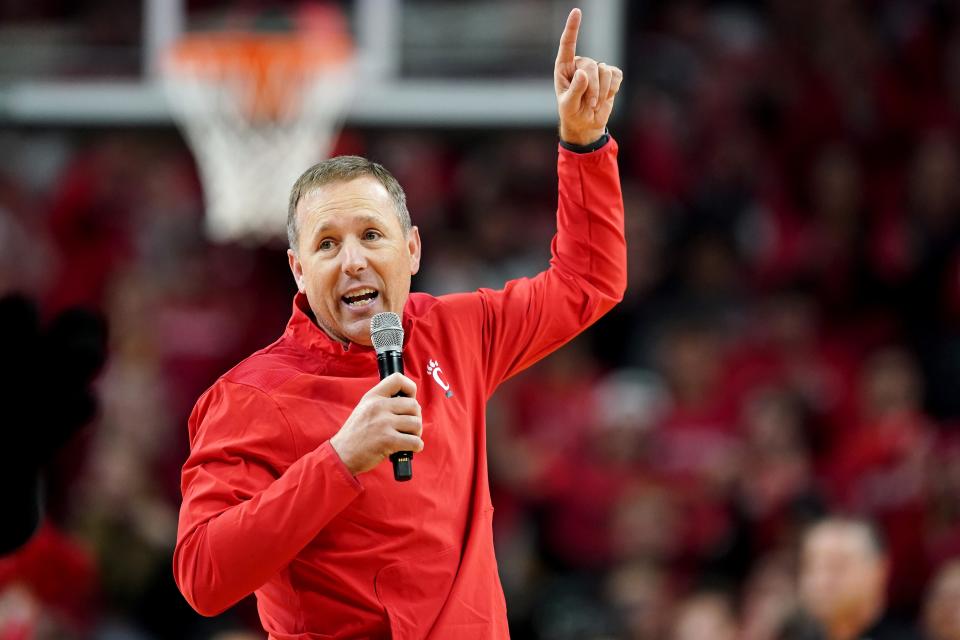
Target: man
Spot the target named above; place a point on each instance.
(844, 572)
(286, 492)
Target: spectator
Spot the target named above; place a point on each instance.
(776, 470)
(769, 598)
(844, 570)
(879, 467)
(640, 596)
(705, 615)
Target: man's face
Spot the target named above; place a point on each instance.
(841, 574)
(353, 259)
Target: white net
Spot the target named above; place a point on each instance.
(253, 131)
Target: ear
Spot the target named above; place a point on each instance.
(296, 269)
(413, 246)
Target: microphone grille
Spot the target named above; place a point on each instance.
(386, 332)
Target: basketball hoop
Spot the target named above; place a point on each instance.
(257, 109)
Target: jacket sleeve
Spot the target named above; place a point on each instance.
(251, 501)
(531, 317)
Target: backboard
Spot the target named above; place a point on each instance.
(423, 62)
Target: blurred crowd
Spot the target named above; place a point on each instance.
(759, 443)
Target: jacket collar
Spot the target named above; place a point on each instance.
(303, 329)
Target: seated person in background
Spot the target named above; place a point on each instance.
(844, 570)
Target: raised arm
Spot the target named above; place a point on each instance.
(529, 318)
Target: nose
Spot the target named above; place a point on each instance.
(353, 258)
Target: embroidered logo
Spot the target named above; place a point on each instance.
(433, 369)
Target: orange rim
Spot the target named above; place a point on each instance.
(270, 70)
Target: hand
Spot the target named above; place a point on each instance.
(380, 425)
(585, 89)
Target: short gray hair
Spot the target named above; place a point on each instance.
(344, 169)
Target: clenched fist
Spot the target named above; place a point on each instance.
(585, 88)
(380, 425)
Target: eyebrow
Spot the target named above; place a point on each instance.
(367, 220)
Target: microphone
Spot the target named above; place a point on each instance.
(386, 333)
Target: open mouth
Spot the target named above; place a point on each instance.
(360, 297)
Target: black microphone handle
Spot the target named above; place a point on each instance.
(390, 362)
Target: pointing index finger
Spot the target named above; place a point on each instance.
(568, 40)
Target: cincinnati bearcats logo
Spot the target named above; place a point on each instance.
(434, 370)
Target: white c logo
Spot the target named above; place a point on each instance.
(439, 380)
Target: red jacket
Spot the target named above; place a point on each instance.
(269, 507)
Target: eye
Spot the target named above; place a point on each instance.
(372, 234)
(325, 244)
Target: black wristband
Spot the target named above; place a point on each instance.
(587, 148)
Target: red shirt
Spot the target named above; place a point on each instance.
(269, 507)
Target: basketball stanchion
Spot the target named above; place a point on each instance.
(257, 109)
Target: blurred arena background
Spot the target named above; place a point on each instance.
(789, 345)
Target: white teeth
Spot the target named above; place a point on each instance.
(361, 303)
(367, 294)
